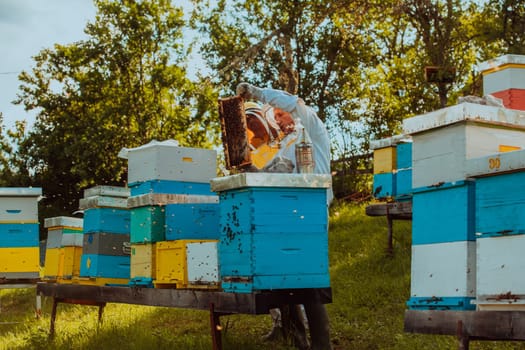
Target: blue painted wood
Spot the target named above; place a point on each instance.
(148, 224)
(273, 238)
(403, 183)
(110, 220)
(500, 204)
(19, 235)
(172, 187)
(384, 185)
(441, 303)
(92, 265)
(444, 214)
(192, 221)
(143, 282)
(403, 155)
(265, 210)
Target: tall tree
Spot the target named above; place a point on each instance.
(122, 87)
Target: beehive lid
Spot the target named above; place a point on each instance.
(124, 152)
(500, 61)
(63, 221)
(20, 191)
(465, 112)
(270, 180)
(168, 198)
(108, 191)
(389, 141)
(496, 164)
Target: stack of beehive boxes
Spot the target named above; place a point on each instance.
(273, 231)
(19, 233)
(392, 168)
(500, 230)
(174, 216)
(444, 197)
(63, 248)
(105, 250)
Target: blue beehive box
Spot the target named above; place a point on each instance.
(192, 221)
(106, 266)
(170, 186)
(273, 231)
(19, 235)
(111, 220)
(403, 184)
(500, 204)
(403, 155)
(384, 185)
(444, 214)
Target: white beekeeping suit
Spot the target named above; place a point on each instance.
(306, 116)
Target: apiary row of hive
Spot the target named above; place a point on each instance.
(238, 233)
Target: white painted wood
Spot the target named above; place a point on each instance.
(443, 270)
(164, 161)
(203, 264)
(500, 265)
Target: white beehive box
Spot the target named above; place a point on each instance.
(445, 139)
(500, 266)
(496, 164)
(502, 73)
(446, 270)
(167, 161)
(19, 204)
(203, 263)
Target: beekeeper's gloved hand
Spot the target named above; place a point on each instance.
(249, 92)
(279, 165)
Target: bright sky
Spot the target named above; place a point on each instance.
(26, 27)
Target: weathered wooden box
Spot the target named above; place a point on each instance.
(273, 231)
(107, 191)
(19, 235)
(187, 264)
(64, 222)
(19, 262)
(111, 220)
(167, 161)
(445, 139)
(444, 214)
(19, 204)
(107, 266)
(143, 260)
(192, 221)
(104, 243)
(443, 276)
(500, 265)
(384, 160)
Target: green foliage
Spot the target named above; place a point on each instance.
(122, 87)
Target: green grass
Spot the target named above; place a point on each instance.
(369, 288)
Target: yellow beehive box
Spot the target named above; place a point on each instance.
(69, 264)
(52, 263)
(142, 260)
(178, 266)
(19, 259)
(384, 160)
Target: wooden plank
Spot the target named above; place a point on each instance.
(481, 325)
(245, 303)
(395, 210)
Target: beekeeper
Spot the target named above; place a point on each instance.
(290, 113)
